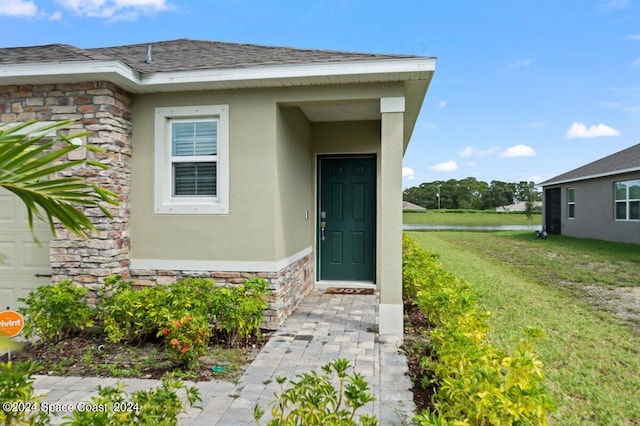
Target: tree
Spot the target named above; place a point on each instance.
(32, 167)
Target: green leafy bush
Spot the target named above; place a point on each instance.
(131, 314)
(53, 312)
(158, 406)
(314, 400)
(476, 384)
(237, 310)
(416, 267)
(20, 405)
(113, 406)
(233, 312)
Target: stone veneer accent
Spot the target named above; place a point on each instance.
(104, 110)
(288, 286)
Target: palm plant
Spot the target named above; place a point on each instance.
(31, 167)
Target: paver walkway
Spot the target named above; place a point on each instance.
(322, 328)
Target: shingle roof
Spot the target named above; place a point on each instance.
(619, 162)
(47, 53)
(185, 55)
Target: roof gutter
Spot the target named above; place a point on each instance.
(135, 82)
(599, 175)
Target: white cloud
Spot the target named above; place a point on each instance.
(114, 10)
(580, 131)
(407, 172)
(633, 37)
(447, 166)
(442, 104)
(470, 151)
(18, 8)
(521, 63)
(636, 62)
(518, 151)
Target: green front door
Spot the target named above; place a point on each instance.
(346, 218)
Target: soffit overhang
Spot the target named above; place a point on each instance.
(414, 74)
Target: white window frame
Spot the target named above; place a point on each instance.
(571, 203)
(627, 201)
(164, 201)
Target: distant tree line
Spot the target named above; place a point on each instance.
(470, 193)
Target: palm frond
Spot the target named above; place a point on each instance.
(30, 167)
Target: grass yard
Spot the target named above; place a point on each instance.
(469, 218)
(573, 289)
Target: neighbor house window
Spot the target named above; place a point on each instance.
(627, 202)
(192, 160)
(571, 203)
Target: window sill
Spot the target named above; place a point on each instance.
(192, 208)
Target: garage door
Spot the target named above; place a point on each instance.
(21, 258)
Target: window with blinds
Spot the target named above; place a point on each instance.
(194, 157)
(191, 159)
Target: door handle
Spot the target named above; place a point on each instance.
(323, 224)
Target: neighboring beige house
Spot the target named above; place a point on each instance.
(599, 200)
(519, 207)
(231, 160)
(410, 207)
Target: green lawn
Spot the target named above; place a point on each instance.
(592, 358)
(469, 217)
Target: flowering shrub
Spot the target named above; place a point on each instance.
(187, 339)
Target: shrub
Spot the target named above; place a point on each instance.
(187, 339)
(237, 310)
(314, 400)
(476, 384)
(234, 312)
(20, 405)
(158, 406)
(53, 312)
(415, 265)
(131, 314)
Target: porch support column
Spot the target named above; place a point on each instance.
(389, 257)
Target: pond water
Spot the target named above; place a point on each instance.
(419, 227)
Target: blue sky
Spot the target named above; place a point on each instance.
(523, 90)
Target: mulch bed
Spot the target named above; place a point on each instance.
(415, 332)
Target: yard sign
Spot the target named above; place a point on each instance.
(11, 323)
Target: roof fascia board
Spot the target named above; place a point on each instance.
(136, 82)
(596, 176)
(69, 68)
(292, 71)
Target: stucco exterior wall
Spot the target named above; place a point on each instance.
(271, 183)
(294, 183)
(594, 211)
(247, 232)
